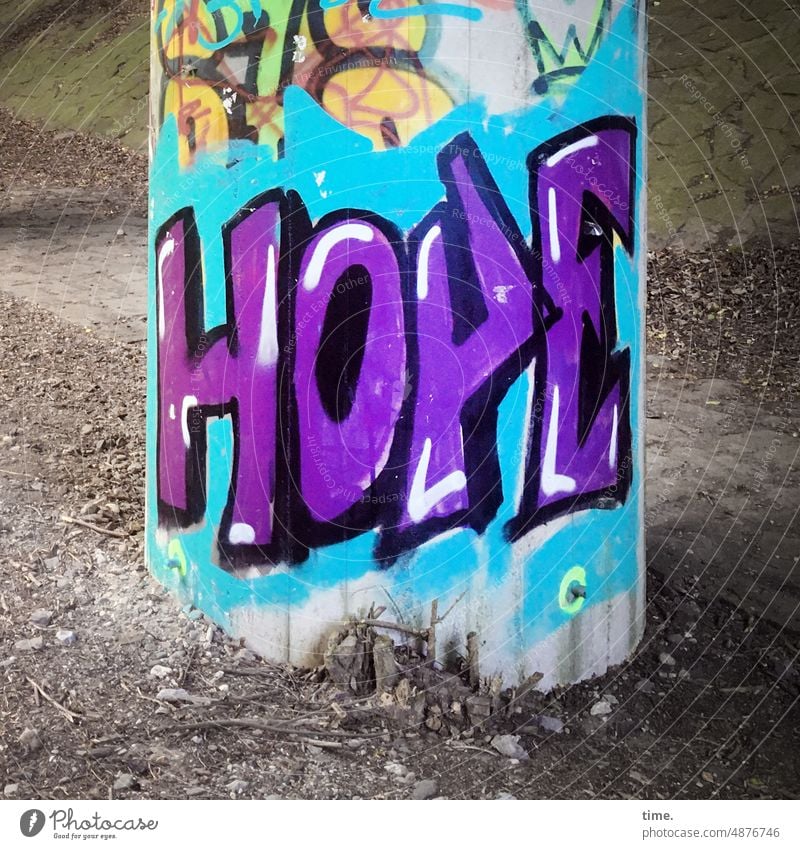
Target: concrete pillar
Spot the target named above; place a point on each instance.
(396, 323)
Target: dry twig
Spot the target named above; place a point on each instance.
(71, 520)
(69, 714)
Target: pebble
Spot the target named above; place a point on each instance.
(425, 789)
(402, 773)
(508, 745)
(169, 694)
(66, 638)
(394, 768)
(33, 644)
(10, 789)
(41, 617)
(237, 785)
(30, 739)
(9, 661)
(195, 790)
(551, 724)
(179, 695)
(666, 659)
(506, 797)
(601, 708)
(159, 671)
(126, 781)
(646, 686)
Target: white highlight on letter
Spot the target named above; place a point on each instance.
(552, 482)
(424, 257)
(421, 500)
(188, 402)
(347, 231)
(589, 141)
(268, 338)
(241, 533)
(612, 448)
(167, 249)
(552, 221)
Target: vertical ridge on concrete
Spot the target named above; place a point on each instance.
(396, 323)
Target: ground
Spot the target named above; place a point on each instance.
(707, 707)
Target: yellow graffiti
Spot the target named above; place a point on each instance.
(200, 116)
(387, 106)
(378, 74)
(177, 556)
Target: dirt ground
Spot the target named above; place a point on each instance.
(708, 706)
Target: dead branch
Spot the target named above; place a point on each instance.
(261, 725)
(72, 520)
(421, 633)
(69, 714)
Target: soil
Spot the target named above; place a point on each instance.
(707, 707)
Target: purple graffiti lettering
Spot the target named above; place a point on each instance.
(582, 187)
(350, 352)
(362, 371)
(229, 370)
(477, 318)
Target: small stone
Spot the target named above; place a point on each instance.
(396, 769)
(120, 232)
(169, 694)
(31, 740)
(194, 615)
(237, 786)
(646, 686)
(42, 617)
(601, 708)
(10, 789)
(666, 659)
(33, 644)
(508, 745)
(159, 671)
(550, 724)
(425, 789)
(66, 638)
(179, 695)
(126, 781)
(478, 708)
(506, 797)
(9, 661)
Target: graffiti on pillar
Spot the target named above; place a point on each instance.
(361, 367)
(387, 69)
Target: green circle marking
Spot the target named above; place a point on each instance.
(568, 602)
